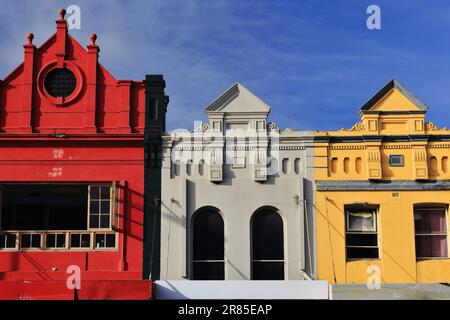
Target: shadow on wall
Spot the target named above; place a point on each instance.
(309, 235)
(342, 236)
(131, 195)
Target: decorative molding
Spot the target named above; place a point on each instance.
(430, 126)
(438, 146)
(382, 185)
(360, 147)
(357, 127)
(401, 146)
(272, 126)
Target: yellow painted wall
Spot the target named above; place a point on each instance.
(396, 238)
(336, 160)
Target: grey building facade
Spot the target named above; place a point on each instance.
(237, 196)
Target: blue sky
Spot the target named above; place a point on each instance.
(314, 62)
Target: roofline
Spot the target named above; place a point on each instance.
(230, 94)
(393, 84)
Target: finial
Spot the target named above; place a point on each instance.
(62, 13)
(93, 37)
(30, 38)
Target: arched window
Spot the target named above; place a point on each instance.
(208, 246)
(267, 246)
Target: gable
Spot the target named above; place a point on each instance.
(238, 99)
(88, 99)
(393, 98)
(395, 101)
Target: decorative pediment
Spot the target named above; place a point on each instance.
(393, 98)
(238, 99)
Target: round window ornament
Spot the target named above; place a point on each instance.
(60, 83)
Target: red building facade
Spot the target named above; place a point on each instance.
(71, 175)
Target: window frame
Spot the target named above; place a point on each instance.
(89, 207)
(402, 162)
(375, 231)
(92, 232)
(446, 234)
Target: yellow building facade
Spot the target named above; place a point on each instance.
(382, 195)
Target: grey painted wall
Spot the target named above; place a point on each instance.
(237, 182)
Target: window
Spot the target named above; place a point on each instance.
(55, 240)
(30, 240)
(361, 233)
(208, 246)
(430, 224)
(8, 241)
(99, 207)
(80, 240)
(58, 216)
(396, 160)
(105, 240)
(44, 207)
(60, 82)
(267, 246)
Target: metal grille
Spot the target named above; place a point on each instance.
(60, 82)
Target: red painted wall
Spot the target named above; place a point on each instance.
(99, 129)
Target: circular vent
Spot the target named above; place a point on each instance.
(60, 82)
